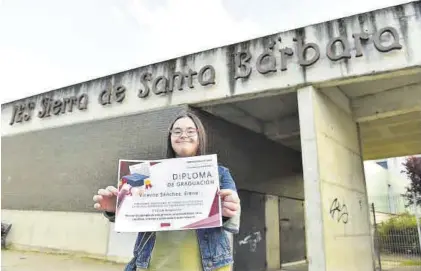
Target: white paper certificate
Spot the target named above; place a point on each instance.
(176, 194)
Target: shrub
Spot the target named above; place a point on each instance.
(399, 235)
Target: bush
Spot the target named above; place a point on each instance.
(399, 235)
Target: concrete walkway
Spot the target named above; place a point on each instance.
(304, 267)
(33, 261)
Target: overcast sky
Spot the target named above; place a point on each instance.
(49, 44)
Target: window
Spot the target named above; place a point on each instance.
(383, 164)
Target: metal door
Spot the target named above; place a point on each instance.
(292, 230)
(250, 243)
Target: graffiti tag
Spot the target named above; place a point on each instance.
(252, 240)
(341, 211)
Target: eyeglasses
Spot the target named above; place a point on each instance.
(190, 132)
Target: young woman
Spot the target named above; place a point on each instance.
(188, 250)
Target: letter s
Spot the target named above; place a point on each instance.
(144, 77)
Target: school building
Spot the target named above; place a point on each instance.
(293, 115)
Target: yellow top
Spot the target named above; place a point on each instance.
(177, 250)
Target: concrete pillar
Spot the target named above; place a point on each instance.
(273, 254)
(337, 209)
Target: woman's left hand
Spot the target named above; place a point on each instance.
(230, 202)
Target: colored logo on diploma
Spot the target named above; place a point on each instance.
(148, 184)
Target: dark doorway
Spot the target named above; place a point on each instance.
(250, 243)
(292, 230)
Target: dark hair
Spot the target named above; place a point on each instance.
(201, 133)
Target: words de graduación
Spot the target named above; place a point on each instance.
(185, 179)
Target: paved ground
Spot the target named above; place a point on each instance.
(303, 267)
(400, 268)
(298, 267)
(31, 261)
(406, 268)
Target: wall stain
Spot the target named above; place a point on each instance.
(361, 21)
(300, 32)
(372, 20)
(230, 52)
(344, 32)
(330, 35)
(403, 25)
(417, 8)
(172, 66)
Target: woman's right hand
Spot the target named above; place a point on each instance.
(106, 199)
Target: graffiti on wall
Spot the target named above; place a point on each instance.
(339, 211)
(252, 240)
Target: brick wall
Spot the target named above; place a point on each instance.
(60, 169)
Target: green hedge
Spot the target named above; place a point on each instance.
(399, 235)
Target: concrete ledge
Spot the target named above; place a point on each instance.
(58, 232)
(77, 254)
(294, 263)
(44, 250)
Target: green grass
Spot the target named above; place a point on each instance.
(411, 263)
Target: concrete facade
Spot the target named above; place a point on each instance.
(273, 246)
(84, 234)
(337, 211)
(81, 158)
(305, 107)
(239, 73)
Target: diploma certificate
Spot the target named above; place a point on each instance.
(168, 194)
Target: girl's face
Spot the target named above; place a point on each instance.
(184, 139)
